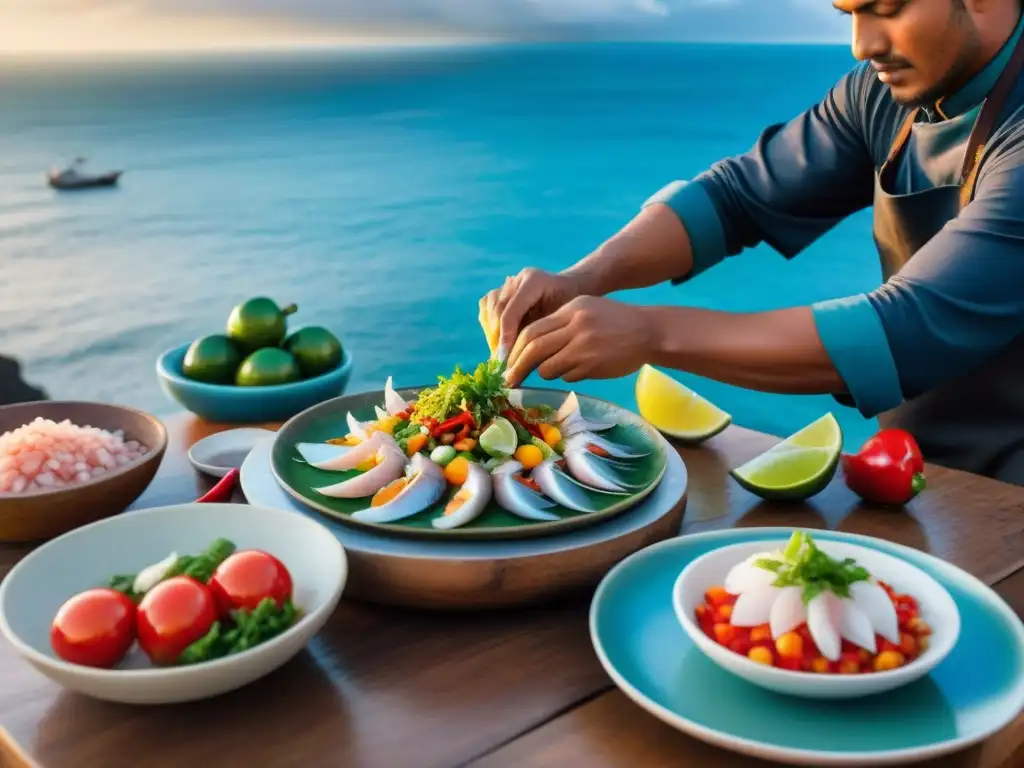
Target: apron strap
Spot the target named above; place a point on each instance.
(991, 111)
(898, 143)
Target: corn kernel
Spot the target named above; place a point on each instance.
(724, 633)
(920, 626)
(908, 644)
(724, 612)
(888, 660)
(760, 634)
(790, 645)
(848, 667)
(761, 655)
(819, 665)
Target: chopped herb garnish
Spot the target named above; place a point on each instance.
(483, 393)
(804, 565)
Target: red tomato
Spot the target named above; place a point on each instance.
(247, 577)
(173, 615)
(95, 628)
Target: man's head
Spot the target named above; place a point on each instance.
(926, 49)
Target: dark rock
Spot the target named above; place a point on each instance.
(12, 388)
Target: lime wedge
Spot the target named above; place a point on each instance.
(676, 410)
(545, 450)
(499, 439)
(798, 467)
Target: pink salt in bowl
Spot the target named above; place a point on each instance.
(55, 477)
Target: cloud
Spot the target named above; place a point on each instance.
(689, 20)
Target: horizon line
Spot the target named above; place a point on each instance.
(306, 46)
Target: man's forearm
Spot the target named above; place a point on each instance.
(653, 248)
(778, 351)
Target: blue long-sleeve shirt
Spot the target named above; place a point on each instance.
(960, 299)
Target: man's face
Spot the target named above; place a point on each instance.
(921, 49)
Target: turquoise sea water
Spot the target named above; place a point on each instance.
(384, 192)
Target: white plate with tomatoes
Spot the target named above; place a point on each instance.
(173, 604)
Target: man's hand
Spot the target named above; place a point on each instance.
(529, 296)
(587, 338)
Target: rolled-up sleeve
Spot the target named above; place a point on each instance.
(797, 182)
(957, 302)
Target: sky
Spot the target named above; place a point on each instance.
(66, 26)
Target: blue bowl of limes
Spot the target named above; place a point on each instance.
(230, 403)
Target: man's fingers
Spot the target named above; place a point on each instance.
(577, 373)
(535, 331)
(536, 353)
(559, 365)
(513, 313)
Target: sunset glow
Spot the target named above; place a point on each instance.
(76, 26)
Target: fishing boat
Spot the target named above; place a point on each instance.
(75, 177)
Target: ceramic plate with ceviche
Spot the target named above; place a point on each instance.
(831, 621)
(469, 457)
(638, 628)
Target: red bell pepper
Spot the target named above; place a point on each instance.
(513, 415)
(888, 469)
(463, 419)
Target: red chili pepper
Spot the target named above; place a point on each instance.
(464, 418)
(222, 490)
(888, 469)
(512, 415)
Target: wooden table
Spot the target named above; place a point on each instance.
(382, 688)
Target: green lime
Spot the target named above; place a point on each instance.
(499, 439)
(258, 323)
(316, 350)
(212, 359)
(267, 367)
(545, 450)
(797, 468)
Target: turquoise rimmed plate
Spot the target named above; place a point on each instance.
(974, 692)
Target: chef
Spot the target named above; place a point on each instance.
(928, 130)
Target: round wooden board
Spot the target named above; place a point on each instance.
(483, 574)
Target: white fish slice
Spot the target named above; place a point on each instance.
(788, 611)
(745, 576)
(390, 468)
(392, 400)
(516, 498)
(355, 455)
(583, 440)
(468, 502)
(356, 427)
(380, 412)
(590, 472)
(874, 602)
(571, 420)
(824, 614)
(856, 627)
(425, 486)
(561, 488)
(753, 607)
(323, 455)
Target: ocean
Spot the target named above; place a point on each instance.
(384, 191)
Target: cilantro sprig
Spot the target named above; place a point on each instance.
(483, 393)
(804, 565)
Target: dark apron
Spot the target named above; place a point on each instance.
(974, 422)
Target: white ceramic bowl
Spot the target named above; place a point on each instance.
(936, 605)
(88, 556)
